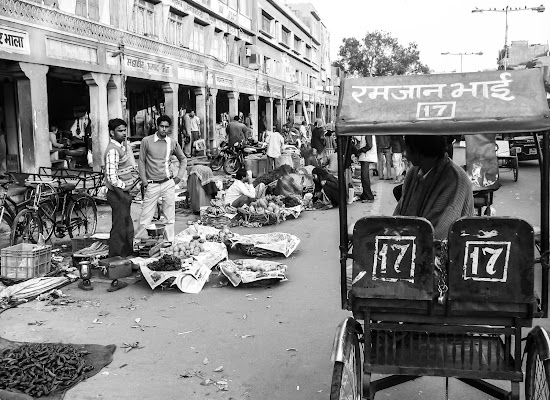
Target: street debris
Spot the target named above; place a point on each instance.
(140, 326)
(247, 336)
(219, 369)
(131, 346)
(291, 349)
(205, 361)
(96, 321)
(38, 323)
(186, 332)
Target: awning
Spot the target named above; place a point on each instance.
(465, 103)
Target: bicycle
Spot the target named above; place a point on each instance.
(9, 206)
(50, 210)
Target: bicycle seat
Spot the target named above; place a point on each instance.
(249, 150)
(67, 186)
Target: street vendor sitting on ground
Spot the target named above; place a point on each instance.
(242, 191)
(435, 187)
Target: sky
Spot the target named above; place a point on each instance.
(438, 26)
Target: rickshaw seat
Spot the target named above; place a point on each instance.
(491, 267)
(393, 258)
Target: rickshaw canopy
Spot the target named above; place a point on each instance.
(444, 104)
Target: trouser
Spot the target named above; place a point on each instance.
(398, 164)
(384, 157)
(153, 193)
(365, 181)
(194, 138)
(121, 240)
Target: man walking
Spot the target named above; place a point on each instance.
(236, 132)
(120, 180)
(156, 175)
(383, 147)
(194, 126)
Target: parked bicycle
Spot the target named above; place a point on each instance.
(54, 210)
(224, 153)
(10, 204)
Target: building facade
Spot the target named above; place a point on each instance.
(79, 63)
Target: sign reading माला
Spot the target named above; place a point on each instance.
(14, 41)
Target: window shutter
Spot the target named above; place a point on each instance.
(93, 10)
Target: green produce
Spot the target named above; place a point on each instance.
(38, 369)
(166, 263)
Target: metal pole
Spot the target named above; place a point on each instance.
(460, 62)
(506, 40)
(545, 218)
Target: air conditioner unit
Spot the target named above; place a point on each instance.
(248, 52)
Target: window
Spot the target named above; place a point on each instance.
(308, 52)
(266, 65)
(87, 9)
(197, 38)
(144, 18)
(285, 36)
(297, 44)
(233, 4)
(244, 7)
(266, 23)
(114, 13)
(219, 46)
(174, 34)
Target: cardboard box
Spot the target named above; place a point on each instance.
(115, 268)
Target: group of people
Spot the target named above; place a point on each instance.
(153, 175)
(70, 149)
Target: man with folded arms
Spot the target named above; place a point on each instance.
(156, 175)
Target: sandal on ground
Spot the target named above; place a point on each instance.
(117, 285)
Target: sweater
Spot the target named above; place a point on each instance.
(442, 196)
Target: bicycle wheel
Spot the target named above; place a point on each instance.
(537, 374)
(231, 165)
(217, 163)
(46, 210)
(346, 376)
(81, 217)
(26, 228)
(5, 228)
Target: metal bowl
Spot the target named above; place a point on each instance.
(155, 230)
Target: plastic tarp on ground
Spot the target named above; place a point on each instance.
(465, 103)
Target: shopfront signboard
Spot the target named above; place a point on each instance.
(14, 40)
(148, 66)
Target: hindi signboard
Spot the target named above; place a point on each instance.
(481, 102)
(14, 40)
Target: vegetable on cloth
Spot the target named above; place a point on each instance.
(47, 370)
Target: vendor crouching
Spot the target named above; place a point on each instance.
(242, 191)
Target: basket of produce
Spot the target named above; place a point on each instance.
(262, 211)
(253, 272)
(219, 215)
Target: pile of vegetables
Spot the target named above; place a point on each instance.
(223, 235)
(166, 263)
(291, 201)
(39, 369)
(266, 179)
(266, 205)
(186, 249)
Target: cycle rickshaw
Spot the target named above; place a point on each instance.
(414, 315)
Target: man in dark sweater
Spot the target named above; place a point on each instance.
(237, 132)
(157, 177)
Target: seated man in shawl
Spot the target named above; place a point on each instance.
(326, 188)
(201, 187)
(435, 187)
(286, 185)
(242, 191)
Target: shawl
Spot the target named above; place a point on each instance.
(442, 197)
(206, 178)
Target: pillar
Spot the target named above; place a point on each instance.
(233, 104)
(213, 141)
(171, 109)
(300, 109)
(32, 105)
(269, 113)
(280, 114)
(292, 111)
(254, 111)
(97, 85)
(201, 110)
(115, 97)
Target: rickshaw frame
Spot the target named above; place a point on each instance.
(345, 129)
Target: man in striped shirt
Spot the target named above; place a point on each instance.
(156, 176)
(119, 180)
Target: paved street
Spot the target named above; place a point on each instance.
(273, 343)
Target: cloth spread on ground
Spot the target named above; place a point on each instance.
(442, 196)
(99, 356)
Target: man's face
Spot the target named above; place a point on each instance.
(164, 129)
(411, 155)
(119, 134)
(192, 114)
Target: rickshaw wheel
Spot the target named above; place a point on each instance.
(346, 376)
(537, 374)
